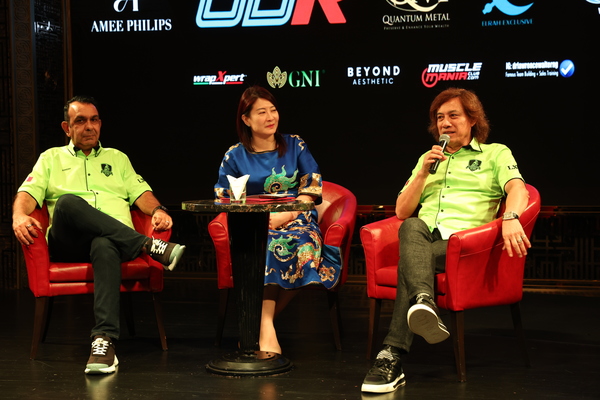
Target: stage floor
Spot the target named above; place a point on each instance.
(562, 332)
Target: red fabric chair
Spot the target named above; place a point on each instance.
(49, 279)
(478, 274)
(337, 216)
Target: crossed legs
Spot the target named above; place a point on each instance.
(422, 255)
(80, 232)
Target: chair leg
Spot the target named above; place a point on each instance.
(515, 310)
(334, 316)
(40, 320)
(374, 312)
(223, 304)
(47, 317)
(457, 325)
(127, 309)
(158, 311)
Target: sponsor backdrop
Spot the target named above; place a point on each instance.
(354, 78)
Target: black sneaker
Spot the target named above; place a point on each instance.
(424, 321)
(103, 359)
(166, 253)
(386, 374)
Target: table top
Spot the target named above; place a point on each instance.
(249, 206)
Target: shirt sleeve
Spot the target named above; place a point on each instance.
(506, 167)
(228, 167)
(37, 181)
(309, 172)
(135, 184)
(413, 174)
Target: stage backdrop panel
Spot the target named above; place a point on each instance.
(353, 78)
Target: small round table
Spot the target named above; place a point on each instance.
(248, 226)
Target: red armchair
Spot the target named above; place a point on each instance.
(478, 274)
(337, 216)
(49, 279)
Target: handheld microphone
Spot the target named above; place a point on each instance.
(444, 139)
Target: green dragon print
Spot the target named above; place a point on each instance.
(308, 255)
(280, 246)
(279, 182)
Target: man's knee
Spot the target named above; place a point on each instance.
(412, 225)
(67, 202)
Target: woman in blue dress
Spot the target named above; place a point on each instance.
(280, 164)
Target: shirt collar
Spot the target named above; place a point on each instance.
(95, 150)
(473, 146)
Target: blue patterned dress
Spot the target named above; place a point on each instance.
(296, 255)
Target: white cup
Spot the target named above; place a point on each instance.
(237, 189)
(237, 195)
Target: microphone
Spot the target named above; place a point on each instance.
(444, 139)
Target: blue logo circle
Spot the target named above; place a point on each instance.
(567, 68)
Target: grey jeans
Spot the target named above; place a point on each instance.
(422, 255)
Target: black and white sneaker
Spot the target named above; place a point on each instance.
(386, 374)
(166, 253)
(423, 320)
(103, 359)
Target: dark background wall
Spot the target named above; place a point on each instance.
(365, 137)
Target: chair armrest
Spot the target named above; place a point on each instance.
(380, 242)
(338, 231)
(143, 224)
(37, 256)
(381, 246)
(219, 233)
(478, 272)
(480, 239)
(37, 260)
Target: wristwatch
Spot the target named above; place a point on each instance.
(510, 215)
(165, 209)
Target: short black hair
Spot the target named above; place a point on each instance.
(78, 99)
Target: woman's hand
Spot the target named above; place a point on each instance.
(277, 220)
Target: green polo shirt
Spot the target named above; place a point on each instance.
(468, 187)
(105, 179)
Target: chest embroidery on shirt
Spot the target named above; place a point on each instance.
(107, 169)
(474, 165)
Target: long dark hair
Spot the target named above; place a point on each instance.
(247, 101)
(473, 109)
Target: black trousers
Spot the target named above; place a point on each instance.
(79, 233)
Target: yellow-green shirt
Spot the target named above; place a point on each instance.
(468, 187)
(105, 179)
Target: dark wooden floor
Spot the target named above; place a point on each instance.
(563, 335)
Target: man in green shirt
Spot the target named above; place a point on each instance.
(89, 191)
(464, 192)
